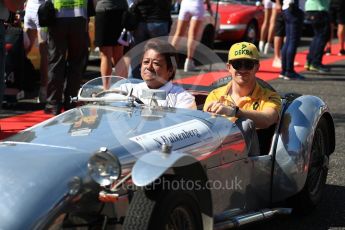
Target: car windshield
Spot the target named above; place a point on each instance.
(94, 90)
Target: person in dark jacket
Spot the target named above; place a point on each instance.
(154, 20)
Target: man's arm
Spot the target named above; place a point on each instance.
(14, 5)
(262, 119)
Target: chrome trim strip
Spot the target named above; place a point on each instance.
(233, 27)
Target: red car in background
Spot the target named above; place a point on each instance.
(240, 20)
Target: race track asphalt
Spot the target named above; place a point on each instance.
(330, 214)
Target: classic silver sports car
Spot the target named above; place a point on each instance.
(117, 163)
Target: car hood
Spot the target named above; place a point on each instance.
(230, 8)
(36, 181)
(231, 11)
(90, 127)
(41, 166)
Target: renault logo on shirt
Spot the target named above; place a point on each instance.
(255, 105)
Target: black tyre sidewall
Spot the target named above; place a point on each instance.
(151, 209)
(246, 38)
(314, 199)
(172, 200)
(208, 36)
(304, 201)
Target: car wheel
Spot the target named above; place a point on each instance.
(207, 39)
(168, 210)
(208, 36)
(309, 197)
(252, 34)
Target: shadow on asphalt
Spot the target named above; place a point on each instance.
(25, 106)
(329, 214)
(336, 66)
(325, 78)
(338, 118)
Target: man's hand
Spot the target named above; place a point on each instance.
(14, 5)
(220, 108)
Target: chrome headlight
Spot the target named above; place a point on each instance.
(104, 167)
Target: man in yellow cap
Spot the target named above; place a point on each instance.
(243, 97)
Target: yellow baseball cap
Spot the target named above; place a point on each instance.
(243, 50)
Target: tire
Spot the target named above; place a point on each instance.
(163, 210)
(207, 40)
(252, 33)
(310, 195)
(208, 36)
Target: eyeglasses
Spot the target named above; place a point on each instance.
(243, 64)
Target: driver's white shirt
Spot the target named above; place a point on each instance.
(176, 96)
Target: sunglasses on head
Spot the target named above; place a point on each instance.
(243, 64)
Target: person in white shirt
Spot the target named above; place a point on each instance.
(158, 68)
(176, 96)
(33, 31)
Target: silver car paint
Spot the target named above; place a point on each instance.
(67, 149)
(294, 145)
(35, 182)
(57, 152)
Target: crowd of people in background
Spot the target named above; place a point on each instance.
(64, 46)
(287, 18)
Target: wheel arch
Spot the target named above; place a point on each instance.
(208, 36)
(331, 132)
(177, 166)
(255, 22)
(293, 149)
(196, 173)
